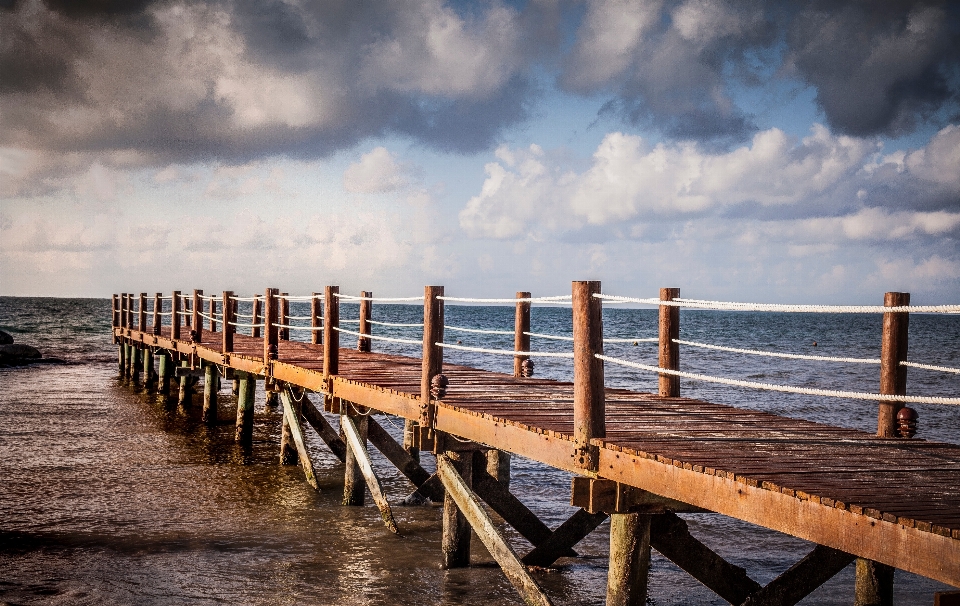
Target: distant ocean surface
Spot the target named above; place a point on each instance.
(107, 496)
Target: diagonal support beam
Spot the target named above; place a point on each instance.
(395, 453)
(293, 421)
(326, 431)
(511, 509)
(363, 461)
(669, 535)
(481, 523)
(563, 538)
(819, 566)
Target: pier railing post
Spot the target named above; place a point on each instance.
(175, 315)
(366, 310)
(115, 309)
(229, 319)
(142, 313)
(432, 364)
(157, 309)
(213, 315)
(316, 306)
(196, 325)
(271, 336)
(669, 350)
(893, 351)
(521, 326)
(588, 396)
(331, 341)
(284, 314)
(130, 311)
(255, 312)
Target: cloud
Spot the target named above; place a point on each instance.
(774, 178)
(377, 172)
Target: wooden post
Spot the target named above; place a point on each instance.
(357, 442)
(432, 364)
(123, 310)
(142, 312)
(147, 355)
(196, 324)
(353, 481)
(521, 326)
(893, 351)
(874, 584)
(255, 312)
(185, 397)
(331, 337)
(455, 541)
(122, 357)
(366, 310)
(288, 447)
(248, 387)
(163, 380)
(135, 364)
(157, 308)
(588, 396)
(284, 315)
(213, 315)
(175, 315)
(292, 417)
(130, 311)
(669, 351)
(629, 559)
(115, 309)
(271, 336)
(316, 307)
(229, 318)
(211, 383)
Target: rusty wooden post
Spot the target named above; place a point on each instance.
(245, 401)
(115, 309)
(123, 310)
(588, 396)
(354, 484)
(455, 540)
(366, 310)
(284, 314)
(130, 311)
(146, 355)
(164, 367)
(271, 335)
(331, 337)
(229, 319)
(893, 351)
(175, 315)
(521, 326)
(213, 315)
(211, 385)
(669, 349)
(432, 363)
(255, 320)
(196, 322)
(157, 309)
(316, 319)
(629, 559)
(142, 312)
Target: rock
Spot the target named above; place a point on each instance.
(17, 354)
(5, 338)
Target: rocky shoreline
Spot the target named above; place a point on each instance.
(18, 354)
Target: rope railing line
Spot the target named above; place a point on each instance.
(543, 336)
(164, 313)
(242, 325)
(480, 331)
(209, 297)
(395, 324)
(246, 299)
(643, 340)
(377, 337)
(559, 300)
(810, 391)
(781, 307)
(381, 299)
(291, 327)
(184, 312)
(299, 317)
(774, 354)
(216, 318)
(239, 315)
(931, 367)
(508, 352)
(298, 297)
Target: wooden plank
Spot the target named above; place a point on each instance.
(293, 420)
(401, 405)
(363, 460)
(467, 502)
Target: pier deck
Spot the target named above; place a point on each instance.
(893, 501)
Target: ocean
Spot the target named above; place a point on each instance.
(111, 496)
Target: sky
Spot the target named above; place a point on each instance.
(745, 150)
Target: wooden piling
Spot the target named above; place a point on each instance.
(121, 358)
(157, 309)
(669, 351)
(432, 361)
(142, 313)
(163, 374)
(148, 381)
(893, 351)
(357, 441)
(629, 559)
(283, 313)
(211, 384)
(874, 584)
(588, 398)
(316, 308)
(288, 447)
(292, 418)
(185, 397)
(135, 364)
(229, 319)
(366, 311)
(196, 322)
(245, 401)
(255, 312)
(175, 315)
(353, 480)
(455, 541)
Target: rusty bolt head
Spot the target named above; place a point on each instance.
(194, 336)
(526, 368)
(273, 352)
(438, 386)
(907, 422)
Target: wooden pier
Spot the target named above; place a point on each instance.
(883, 500)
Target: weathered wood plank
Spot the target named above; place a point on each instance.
(293, 421)
(363, 460)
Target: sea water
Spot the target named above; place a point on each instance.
(110, 496)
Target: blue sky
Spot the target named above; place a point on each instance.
(762, 151)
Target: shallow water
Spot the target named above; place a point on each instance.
(112, 496)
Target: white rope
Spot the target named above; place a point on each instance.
(508, 352)
(773, 354)
(246, 325)
(291, 327)
(619, 299)
(166, 298)
(239, 315)
(854, 395)
(381, 299)
(478, 330)
(729, 306)
(164, 313)
(542, 336)
(558, 300)
(931, 367)
(208, 297)
(378, 338)
(245, 298)
(299, 317)
(298, 297)
(396, 324)
(212, 319)
(184, 313)
(645, 340)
